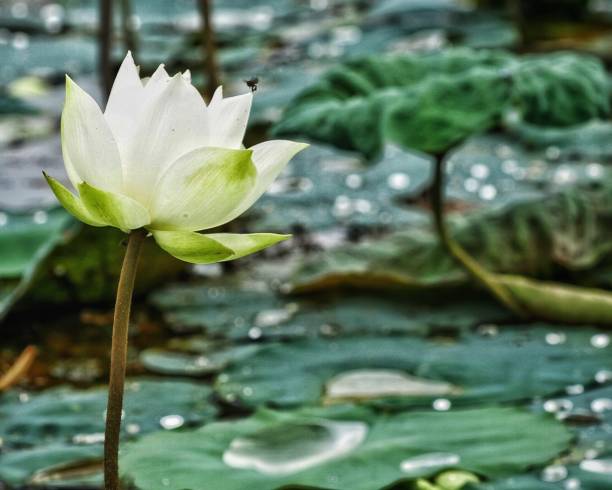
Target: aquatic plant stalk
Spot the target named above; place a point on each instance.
(119, 359)
(473, 268)
(105, 46)
(209, 48)
(127, 26)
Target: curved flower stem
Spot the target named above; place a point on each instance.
(105, 37)
(472, 267)
(119, 359)
(209, 48)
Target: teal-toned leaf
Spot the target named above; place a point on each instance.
(273, 449)
(405, 371)
(432, 101)
(561, 89)
(223, 309)
(65, 426)
(26, 240)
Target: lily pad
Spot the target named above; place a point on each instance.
(432, 101)
(560, 235)
(343, 447)
(225, 310)
(67, 415)
(516, 364)
(73, 421)
(25, 241)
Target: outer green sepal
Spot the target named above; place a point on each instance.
(115, 209)
(247, 244)
(192, 247)
(72, 203)
(215, 247)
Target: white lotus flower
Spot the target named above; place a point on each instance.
(159, 158)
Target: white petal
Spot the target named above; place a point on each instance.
(156, 83)
(270, 158)
(172, 124)
(217, 96)
(201, 188)
(90, 150)
(125, 103)
(228, 119)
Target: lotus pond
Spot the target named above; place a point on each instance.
(440, 318)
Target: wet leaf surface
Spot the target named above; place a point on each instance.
(344, 447)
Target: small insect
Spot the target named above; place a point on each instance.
(252, 83)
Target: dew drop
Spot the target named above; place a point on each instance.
(170, 422)
(429, 461)
(471, 184)
(132, 429)
(398, 181)
(572, 484)
(289, 448)
(95, 438)
(597, 466)
(354, 181)
(555, 338)
(600, 340)
(487, 192)
(603, 376)
(553, 152)
(441, 405)
(21, 41)
(377, 383)
(479, 171)
(40, 217)
(559, 405)
(509, 166)
(600, 405)
(594, 170)
(576, 389)
(255, 333)
(554, 473)
(488, 330)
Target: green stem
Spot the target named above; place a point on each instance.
(105, 45)
(472, 267)
(209, 49)
(119, 359)
(129, 34)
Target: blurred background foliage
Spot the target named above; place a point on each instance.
(363, 305)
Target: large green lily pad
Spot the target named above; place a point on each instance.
(516, 364)
(564, 234)
(72, 421)
(432, 101)
(342, 447)
(226, 310)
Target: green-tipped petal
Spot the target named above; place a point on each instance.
(247, 244)
(115, 209)
(192, 247)
(71, 203)
(202, 189)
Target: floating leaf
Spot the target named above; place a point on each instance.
(341, 448)
(222, 309)
(516, 364)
